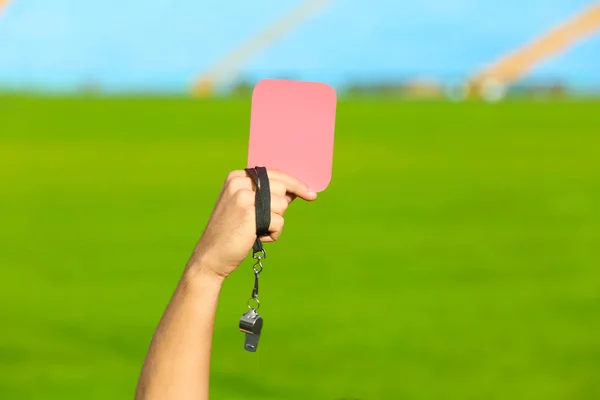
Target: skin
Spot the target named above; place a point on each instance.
(178, 361)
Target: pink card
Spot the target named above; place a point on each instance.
(291, 129)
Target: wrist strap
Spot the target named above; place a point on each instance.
(263, 205)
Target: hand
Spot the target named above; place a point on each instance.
(231, 229)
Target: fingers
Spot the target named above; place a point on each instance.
(241, 188)
(278, 188)
(275, 228)
(235, 174)
(236, 182)
(280, 183)
(292, 185)
(276, 223)
(279, 204)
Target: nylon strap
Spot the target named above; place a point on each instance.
(263, 204)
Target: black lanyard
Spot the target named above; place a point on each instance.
(251, 323)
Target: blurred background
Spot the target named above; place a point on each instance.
(456, 253)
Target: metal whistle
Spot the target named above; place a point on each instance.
(251, 324)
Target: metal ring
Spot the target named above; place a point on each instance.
(257, 270)
(260, 255)
(257, 303)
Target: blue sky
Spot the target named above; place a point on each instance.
(163, 45)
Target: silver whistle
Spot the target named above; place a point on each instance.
(251, 324)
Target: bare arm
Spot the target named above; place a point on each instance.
(178, 361)
(186, 328)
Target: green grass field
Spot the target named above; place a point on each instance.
(456, 253)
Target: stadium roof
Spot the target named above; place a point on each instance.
(165, 46)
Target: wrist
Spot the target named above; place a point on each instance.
(201, 273)
(204, 261)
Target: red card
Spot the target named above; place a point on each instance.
(291, 129)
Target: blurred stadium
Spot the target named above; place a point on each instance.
(429, 48)
(456, 253)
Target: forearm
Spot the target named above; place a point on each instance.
(178, 361)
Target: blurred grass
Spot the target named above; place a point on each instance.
(456, 253)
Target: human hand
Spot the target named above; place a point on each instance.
(231, 229)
